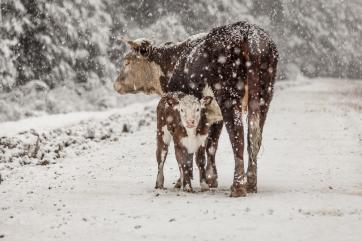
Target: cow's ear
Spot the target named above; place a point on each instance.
(171, 101)
(205, 101)
(142, 46)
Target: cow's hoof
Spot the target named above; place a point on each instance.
(177, 184)
(204, 186)
(238, 191)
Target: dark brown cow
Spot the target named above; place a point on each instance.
(182, 118)
(231, 62)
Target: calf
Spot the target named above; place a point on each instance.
(182, 118)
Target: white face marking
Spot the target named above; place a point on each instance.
(189, 108)
(139, 74)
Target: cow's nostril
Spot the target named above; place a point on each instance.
(191, 122)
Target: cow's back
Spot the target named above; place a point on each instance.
(221, 60)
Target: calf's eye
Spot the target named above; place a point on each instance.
(198, 109)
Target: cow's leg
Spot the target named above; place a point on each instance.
(256, 121)
(232, 114)
(211, 147)
(163, 141)
(261, 95)
(200, 162)
(255, 129)
(183, 158)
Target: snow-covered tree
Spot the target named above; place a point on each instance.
(71, 48)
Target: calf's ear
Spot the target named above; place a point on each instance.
(171, 101)
(205, 101)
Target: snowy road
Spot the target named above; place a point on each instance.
(310, 182)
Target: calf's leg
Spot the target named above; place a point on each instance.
(200, 162)
(161, 154)
(211, 147)
(178, 183)
(183, 158)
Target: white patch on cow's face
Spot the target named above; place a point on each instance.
(213, 112)
(189, 108)
(138, 74)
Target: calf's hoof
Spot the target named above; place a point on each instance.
(211, 178)
(159, 187)
(251, 188)
(251, 184)
(204, 186)
(238, 191)
(212, 183)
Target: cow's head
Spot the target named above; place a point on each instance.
(139, 73)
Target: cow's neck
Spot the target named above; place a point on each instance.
(166, 57)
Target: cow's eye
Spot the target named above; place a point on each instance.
(198, 109)
(182, 110)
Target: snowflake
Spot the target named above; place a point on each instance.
(221, 59)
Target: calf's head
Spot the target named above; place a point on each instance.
(190, 109)
(138, 73)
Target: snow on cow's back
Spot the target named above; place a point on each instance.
(196, 37)
(238, 32)
(190, 42)
(141, 41)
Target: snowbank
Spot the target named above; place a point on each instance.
(44, 140)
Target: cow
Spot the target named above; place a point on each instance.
(182, 118)
(236, 64)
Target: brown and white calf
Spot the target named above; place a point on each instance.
(236, 64)
(182, 118)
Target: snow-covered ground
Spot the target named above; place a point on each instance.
(310, 176)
